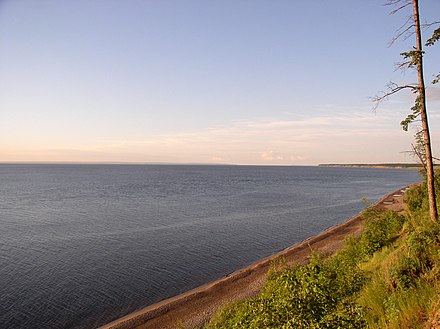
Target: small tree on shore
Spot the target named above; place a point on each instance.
(414, 59)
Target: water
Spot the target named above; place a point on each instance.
(81, 245)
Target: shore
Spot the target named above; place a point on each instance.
(194, 308)
(410, 166)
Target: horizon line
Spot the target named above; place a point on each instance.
(200, 163)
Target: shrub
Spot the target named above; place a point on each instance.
(414, 197)
(388, 277)
(316, 295)
(380, 229)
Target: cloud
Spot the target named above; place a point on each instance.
(271, 156)
(358, 137)
(341, 137)
(275, 157)
(217, 159)
(433, 94)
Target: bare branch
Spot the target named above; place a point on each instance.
(414, 59)
(394, 2)
(403, 30)
(399, 8)
(401, 66)
(426, 25)
(420, 156)
(414, 154)
(392, 88)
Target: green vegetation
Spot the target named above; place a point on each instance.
(387, 277)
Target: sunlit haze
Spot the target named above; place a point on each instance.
(231, 81)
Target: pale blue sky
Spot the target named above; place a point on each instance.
(247, 82)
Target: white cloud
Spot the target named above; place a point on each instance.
(356, 137)
(217, 159)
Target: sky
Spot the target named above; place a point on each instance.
(263, 82)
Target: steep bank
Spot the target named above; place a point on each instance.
(386, 277)
(197, 306)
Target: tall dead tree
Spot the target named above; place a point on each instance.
(414, 59)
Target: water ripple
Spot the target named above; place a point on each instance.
(81, 245)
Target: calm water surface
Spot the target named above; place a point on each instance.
(81, 245)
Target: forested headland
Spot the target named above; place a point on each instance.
(375, 165)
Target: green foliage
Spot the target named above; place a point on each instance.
(398, 309)
(415, 112)
(435, 37)
(387, 277)
(414, 198)
(412, 57)
(316, 295)
(405, 271)
(404, 277)
(380, 229)
(430, 42)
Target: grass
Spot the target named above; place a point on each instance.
(387, 277)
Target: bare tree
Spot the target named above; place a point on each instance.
(414, 59)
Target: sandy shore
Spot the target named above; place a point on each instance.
(196, 307)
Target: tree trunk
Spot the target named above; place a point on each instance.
(425, 126)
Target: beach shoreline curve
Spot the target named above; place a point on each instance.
(195, 307)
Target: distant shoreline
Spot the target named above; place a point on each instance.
(413, 166)
(344, 165)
